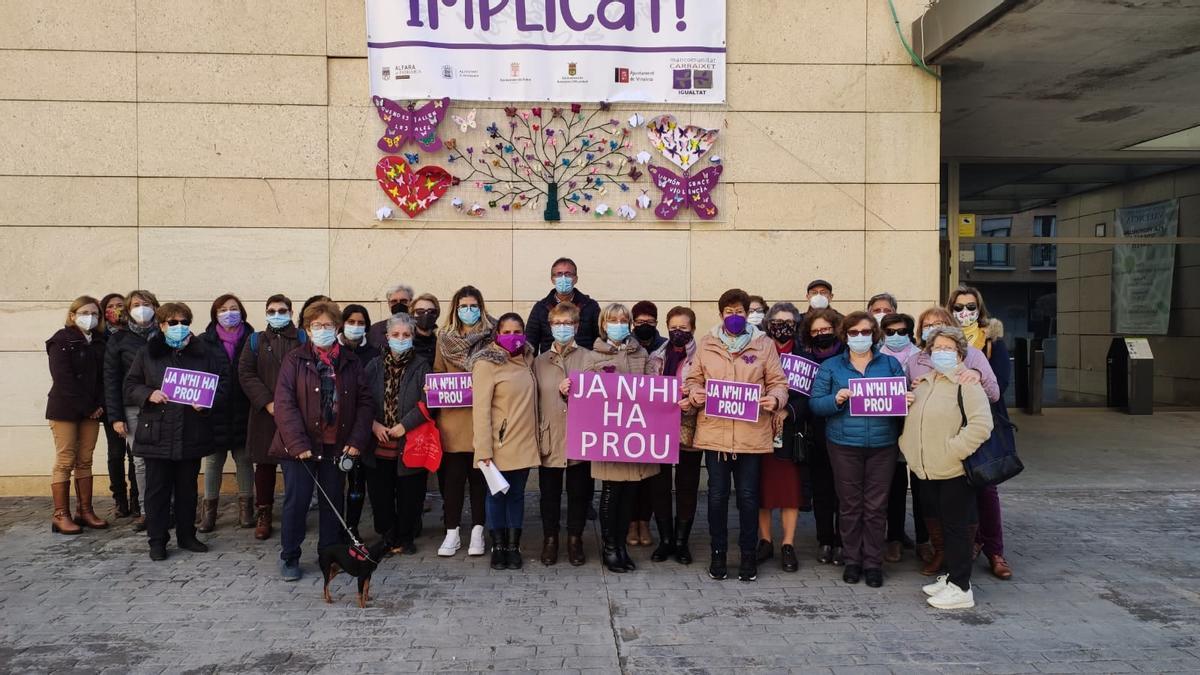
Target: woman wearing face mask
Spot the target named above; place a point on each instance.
(467, 330)
(780, 487)
(74, 407)
(173, 437)
(758, 312)
(617, 351)
(227, 334)
(425, 312)
(112, 307)
(356, 321)
(552, 368)
(899, 344)
(862, 450)
(505, 418)
(118, 357)
(645, 330)
(397, 382)
(324, 410)
(258, 370)
(880, 305)
(737, 352)
(675, 359)
(949, 421)
(819, 344)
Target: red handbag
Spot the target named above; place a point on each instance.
(423, 445)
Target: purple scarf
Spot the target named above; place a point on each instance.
(229, 339)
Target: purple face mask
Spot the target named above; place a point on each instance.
(512, 343)
(735, 324)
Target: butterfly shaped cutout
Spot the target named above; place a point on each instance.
(680, 192)
(465, 123)
(411, 123)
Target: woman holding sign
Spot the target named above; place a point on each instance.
(736, 378)
(505, 417)
(821, 343)
(861, 430)
(172, 436)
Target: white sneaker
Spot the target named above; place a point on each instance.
(953, 597)
(477, 546)
(937, 586)
(450, 544)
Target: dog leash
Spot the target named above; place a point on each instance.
(337, 512)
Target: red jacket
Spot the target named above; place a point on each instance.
(298, 404)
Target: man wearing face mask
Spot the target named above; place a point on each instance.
(819, 294)
(564, 275)
(880, 305)
(399, 297)
(645, 326)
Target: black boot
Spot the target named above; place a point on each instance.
(608, 534)
(499, 549)
(623, 514)
(683, 530)
(718, 569)
(666, 539)
(513, 560)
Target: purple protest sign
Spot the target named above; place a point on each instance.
(192, 387)
(800, 372)
(878, 397)
(618, 417)
(448, 390)
(732, 400)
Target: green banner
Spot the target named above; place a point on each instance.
(1142, 274)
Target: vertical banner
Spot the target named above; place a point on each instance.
(669, 51)
(1142, 275)
(618, 417)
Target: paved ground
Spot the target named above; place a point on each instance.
(1107, 580)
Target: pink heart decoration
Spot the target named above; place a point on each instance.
(412, 191)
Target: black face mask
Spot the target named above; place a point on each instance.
(781, 331)
(399, 308)
(824, 341)
(645, 332)
(427, 321)
(680, 338)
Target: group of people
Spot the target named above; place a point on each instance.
(330, 398)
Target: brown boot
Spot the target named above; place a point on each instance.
(938, 542)
(575, 550)
(83, 499)
(208, 516)
(262, 528)
(62, 523)
(550, 550)
(1000, 568)
(245, 513)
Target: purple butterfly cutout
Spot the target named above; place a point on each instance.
(750, 358)
(415, 124)
(687, 190)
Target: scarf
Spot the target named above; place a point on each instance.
(738, 344)
(833, 350)
(143, 331)
(975, 335)
(327, 368)
(492, 354)
(787, 347)
(229, 339)
(458, 349)
(393, 376)
(673, 358)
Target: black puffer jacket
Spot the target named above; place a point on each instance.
(229, 417)
(173, 431)
(122, 346)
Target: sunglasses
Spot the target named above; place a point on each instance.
(425, 312)
(178, 322)
(970, 307)
(278, 312)
(856, 332)
(895, 331)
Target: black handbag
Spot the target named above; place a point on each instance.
(995, 461)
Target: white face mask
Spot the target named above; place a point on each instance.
(142, 313)
(818, 301)
(756, 318)
(879, 317)
(86, 322)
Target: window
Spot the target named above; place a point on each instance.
(993, 255)
(1043, 256)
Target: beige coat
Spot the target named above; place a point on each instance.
(687, 420)
(629, 358)
(551, 369)
(505, 412)
(757, 364)
(455, 424)
(934, 441)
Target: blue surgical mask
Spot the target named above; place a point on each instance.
(399, 346)
(278, 320)
(617, 332)
(354, 332)
(176, 335)
(564, 284)
(469, 315)
(860, 344)
(563, 334)
(926, 332)
(944, 361)
(896, 343)
(323, 337)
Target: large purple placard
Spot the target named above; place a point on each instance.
(448, 390)
(800, 372)
(878, 397)
(732, 400)
(618, 417)
(192, 387)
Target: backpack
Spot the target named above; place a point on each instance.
(300, 334)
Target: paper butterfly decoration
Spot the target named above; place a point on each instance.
(412, 191)
(683, 191)
(411, 123)
(682, 146)
(465, 123)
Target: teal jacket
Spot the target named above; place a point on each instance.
(841, 428)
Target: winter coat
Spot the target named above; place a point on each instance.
(118, 357)
(758, 364)
(934, 441)
(258, 370)
(537, 328)
(408, 413)
(551, 368)
(997, 355)
(794, 419)
(76, 366)
(628, 358)
(655, 365)
(840, 427)
(173, 431)
(505, 412)
(424, 346)
(803, 408)
(367, 349)
(230, 419)
(455, 424)
(298, 405)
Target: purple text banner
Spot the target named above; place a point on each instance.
(878, 397)
(192, 387)
(448, 390)
(619, 417)
(732, 400)
(800, 372)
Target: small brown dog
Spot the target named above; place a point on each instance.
(357, 561)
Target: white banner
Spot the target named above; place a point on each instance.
(667, 51)
(1143, 275)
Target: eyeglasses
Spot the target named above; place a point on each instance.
(952, 350)
(178, 322)
(468, 306)
(278, 312)
(895, 331)
(425, 312)
(827, 330)
(859, 332)
(782, 324)
(970, 307)
(934, 325)
(321, 326)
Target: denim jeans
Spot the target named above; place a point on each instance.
(506, 510)
(298, 488)
(214, 467)
(139, 464)
(743, 471)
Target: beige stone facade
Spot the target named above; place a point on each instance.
(231, 147)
